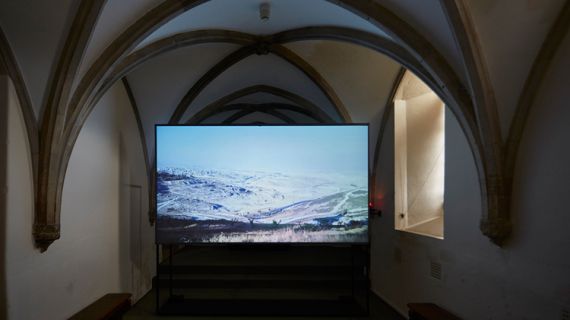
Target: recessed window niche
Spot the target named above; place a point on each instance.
(419, 130)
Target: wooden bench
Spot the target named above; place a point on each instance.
(110, 306)
(429, 311)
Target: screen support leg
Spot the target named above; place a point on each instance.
(367, 274)
(352, 272)
(170, 272)
(157, 281)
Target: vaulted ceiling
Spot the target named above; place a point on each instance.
(311, 61)
(511, 34)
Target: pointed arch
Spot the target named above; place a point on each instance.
(270, 108)
(157, 48)
(8, 61)
(263, 45)
(54, 150)
(309, 71)
(260, 48)
(247, 111)
(473, 118)
(64, 121)
(307, 107)
(210, 75)
(497, 222)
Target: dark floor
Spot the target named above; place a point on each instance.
(145, 309)
(264, 281)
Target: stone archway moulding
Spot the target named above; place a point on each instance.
(505, 154)
(247, 111)
(253, 45)
(257, 45)
(308, 108)
(8, 60)
(262, 45)
(63, 121)
(496, 223)
(259, 48)
(247, 108)
(476, 119)
(266, 43)
(54, 147)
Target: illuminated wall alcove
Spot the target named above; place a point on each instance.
(419, 158)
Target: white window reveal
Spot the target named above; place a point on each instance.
(419, 130)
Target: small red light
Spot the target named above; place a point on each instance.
(370, 204)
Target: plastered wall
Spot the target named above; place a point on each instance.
(528, 278)
(3, 188)
(86, 262)
(136, 240)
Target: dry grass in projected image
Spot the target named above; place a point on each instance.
(209, 206)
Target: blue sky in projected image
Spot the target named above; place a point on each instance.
(290, 149)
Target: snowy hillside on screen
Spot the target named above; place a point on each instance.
(246, 204)
(214, 206)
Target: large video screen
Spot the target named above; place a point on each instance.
(262, 184)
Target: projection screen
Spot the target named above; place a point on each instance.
(261, 184)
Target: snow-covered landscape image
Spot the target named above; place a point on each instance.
(305, 184)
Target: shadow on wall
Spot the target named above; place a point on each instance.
(132, 269)
(3, 186)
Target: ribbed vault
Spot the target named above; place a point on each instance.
(77, 86)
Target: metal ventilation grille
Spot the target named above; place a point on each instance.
(565, 314)
(435, 270)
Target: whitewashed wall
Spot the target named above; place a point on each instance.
(528, 278)
(137, 249)
(85, 263)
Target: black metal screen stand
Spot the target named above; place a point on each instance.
(157, 281)
(244, 307)
(170, 277)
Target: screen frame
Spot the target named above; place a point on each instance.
(264, 244)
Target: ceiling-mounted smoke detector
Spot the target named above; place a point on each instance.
(264, 11)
